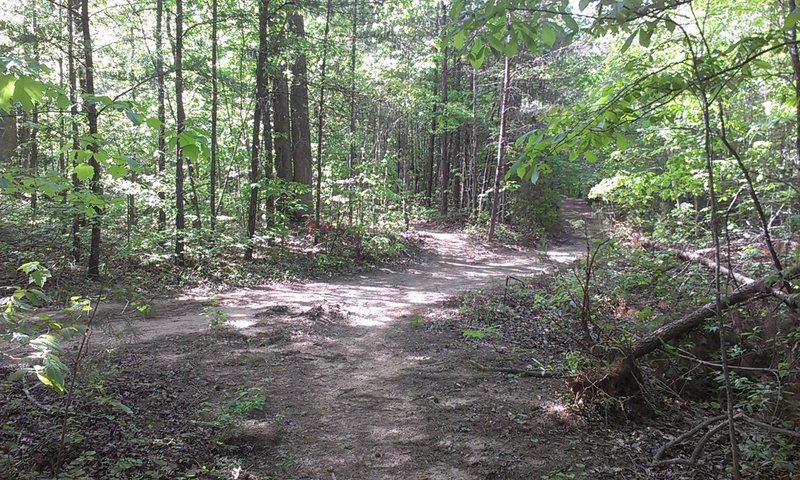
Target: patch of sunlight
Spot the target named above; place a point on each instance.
(241, 324)
(369, 321)
(556, 409)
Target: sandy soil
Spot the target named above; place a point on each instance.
(361, 385)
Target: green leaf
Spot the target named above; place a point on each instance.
(191, 152)
(590, 156)
(477, 55)
(62, 101)
(19, 374)
(153, 122)
(117, 171)
(644, 37)
(628, 42)
(133, 117)
(84, 171)
(7, 83)
(548, 34)
(459, 38)
(791, 20)
(571, 23)
(583, 4)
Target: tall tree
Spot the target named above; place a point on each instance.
(444, 159)
(321, 117)
(162, 116)
(351, 128)
(301, 128)
(91, 117)
(180, 121)
(260, 103)
(212, 188)
(281, 130)
(501, 137)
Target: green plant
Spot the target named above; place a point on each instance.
(216, 316)
(479, 334)
(415, 320)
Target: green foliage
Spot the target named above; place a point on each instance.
(479, 334)
(216, 316)
(37, 335)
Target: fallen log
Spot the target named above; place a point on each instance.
(696, 257)
(619, 374)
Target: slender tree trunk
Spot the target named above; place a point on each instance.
(432, 145)
(269, 159)
(33, 159)
(474, 143)
(444, 160)
(351, 154)
(162, 116)
(321, 120)
(75, 230)
(499, 166)
(214, 107)
(93, 270)
(301, 129)
(261, 98)
(180, 117)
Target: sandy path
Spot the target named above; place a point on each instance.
(364, 394)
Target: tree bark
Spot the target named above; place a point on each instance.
(73, 100)
(93, 270)
(301, 129)
(499, 165)
(321, 119)
(212, 174)
(180, 117)
(261, 98)
(444, 159)
(351, 130)
(282, 137)
(162, 116)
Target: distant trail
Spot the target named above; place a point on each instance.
(452, 264)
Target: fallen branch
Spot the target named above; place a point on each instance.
(622, 368)
(522, 372)
(697, 258)
(698, 449)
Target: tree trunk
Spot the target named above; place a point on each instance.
(162, 116)
(351, 130)
(72, 20)
(499, 166)
(93, 270)
(301, 129)
(180, 117)
(444, 159)
(212, 174)
(432, 146)
(261, 99)
(321, 120)
(282, 138)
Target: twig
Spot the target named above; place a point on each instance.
(522, 372)
(71, 391)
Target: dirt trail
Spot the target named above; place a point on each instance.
(356, 389)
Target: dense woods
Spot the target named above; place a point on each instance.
(153, 146)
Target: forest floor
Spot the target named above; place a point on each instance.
(354, 377)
